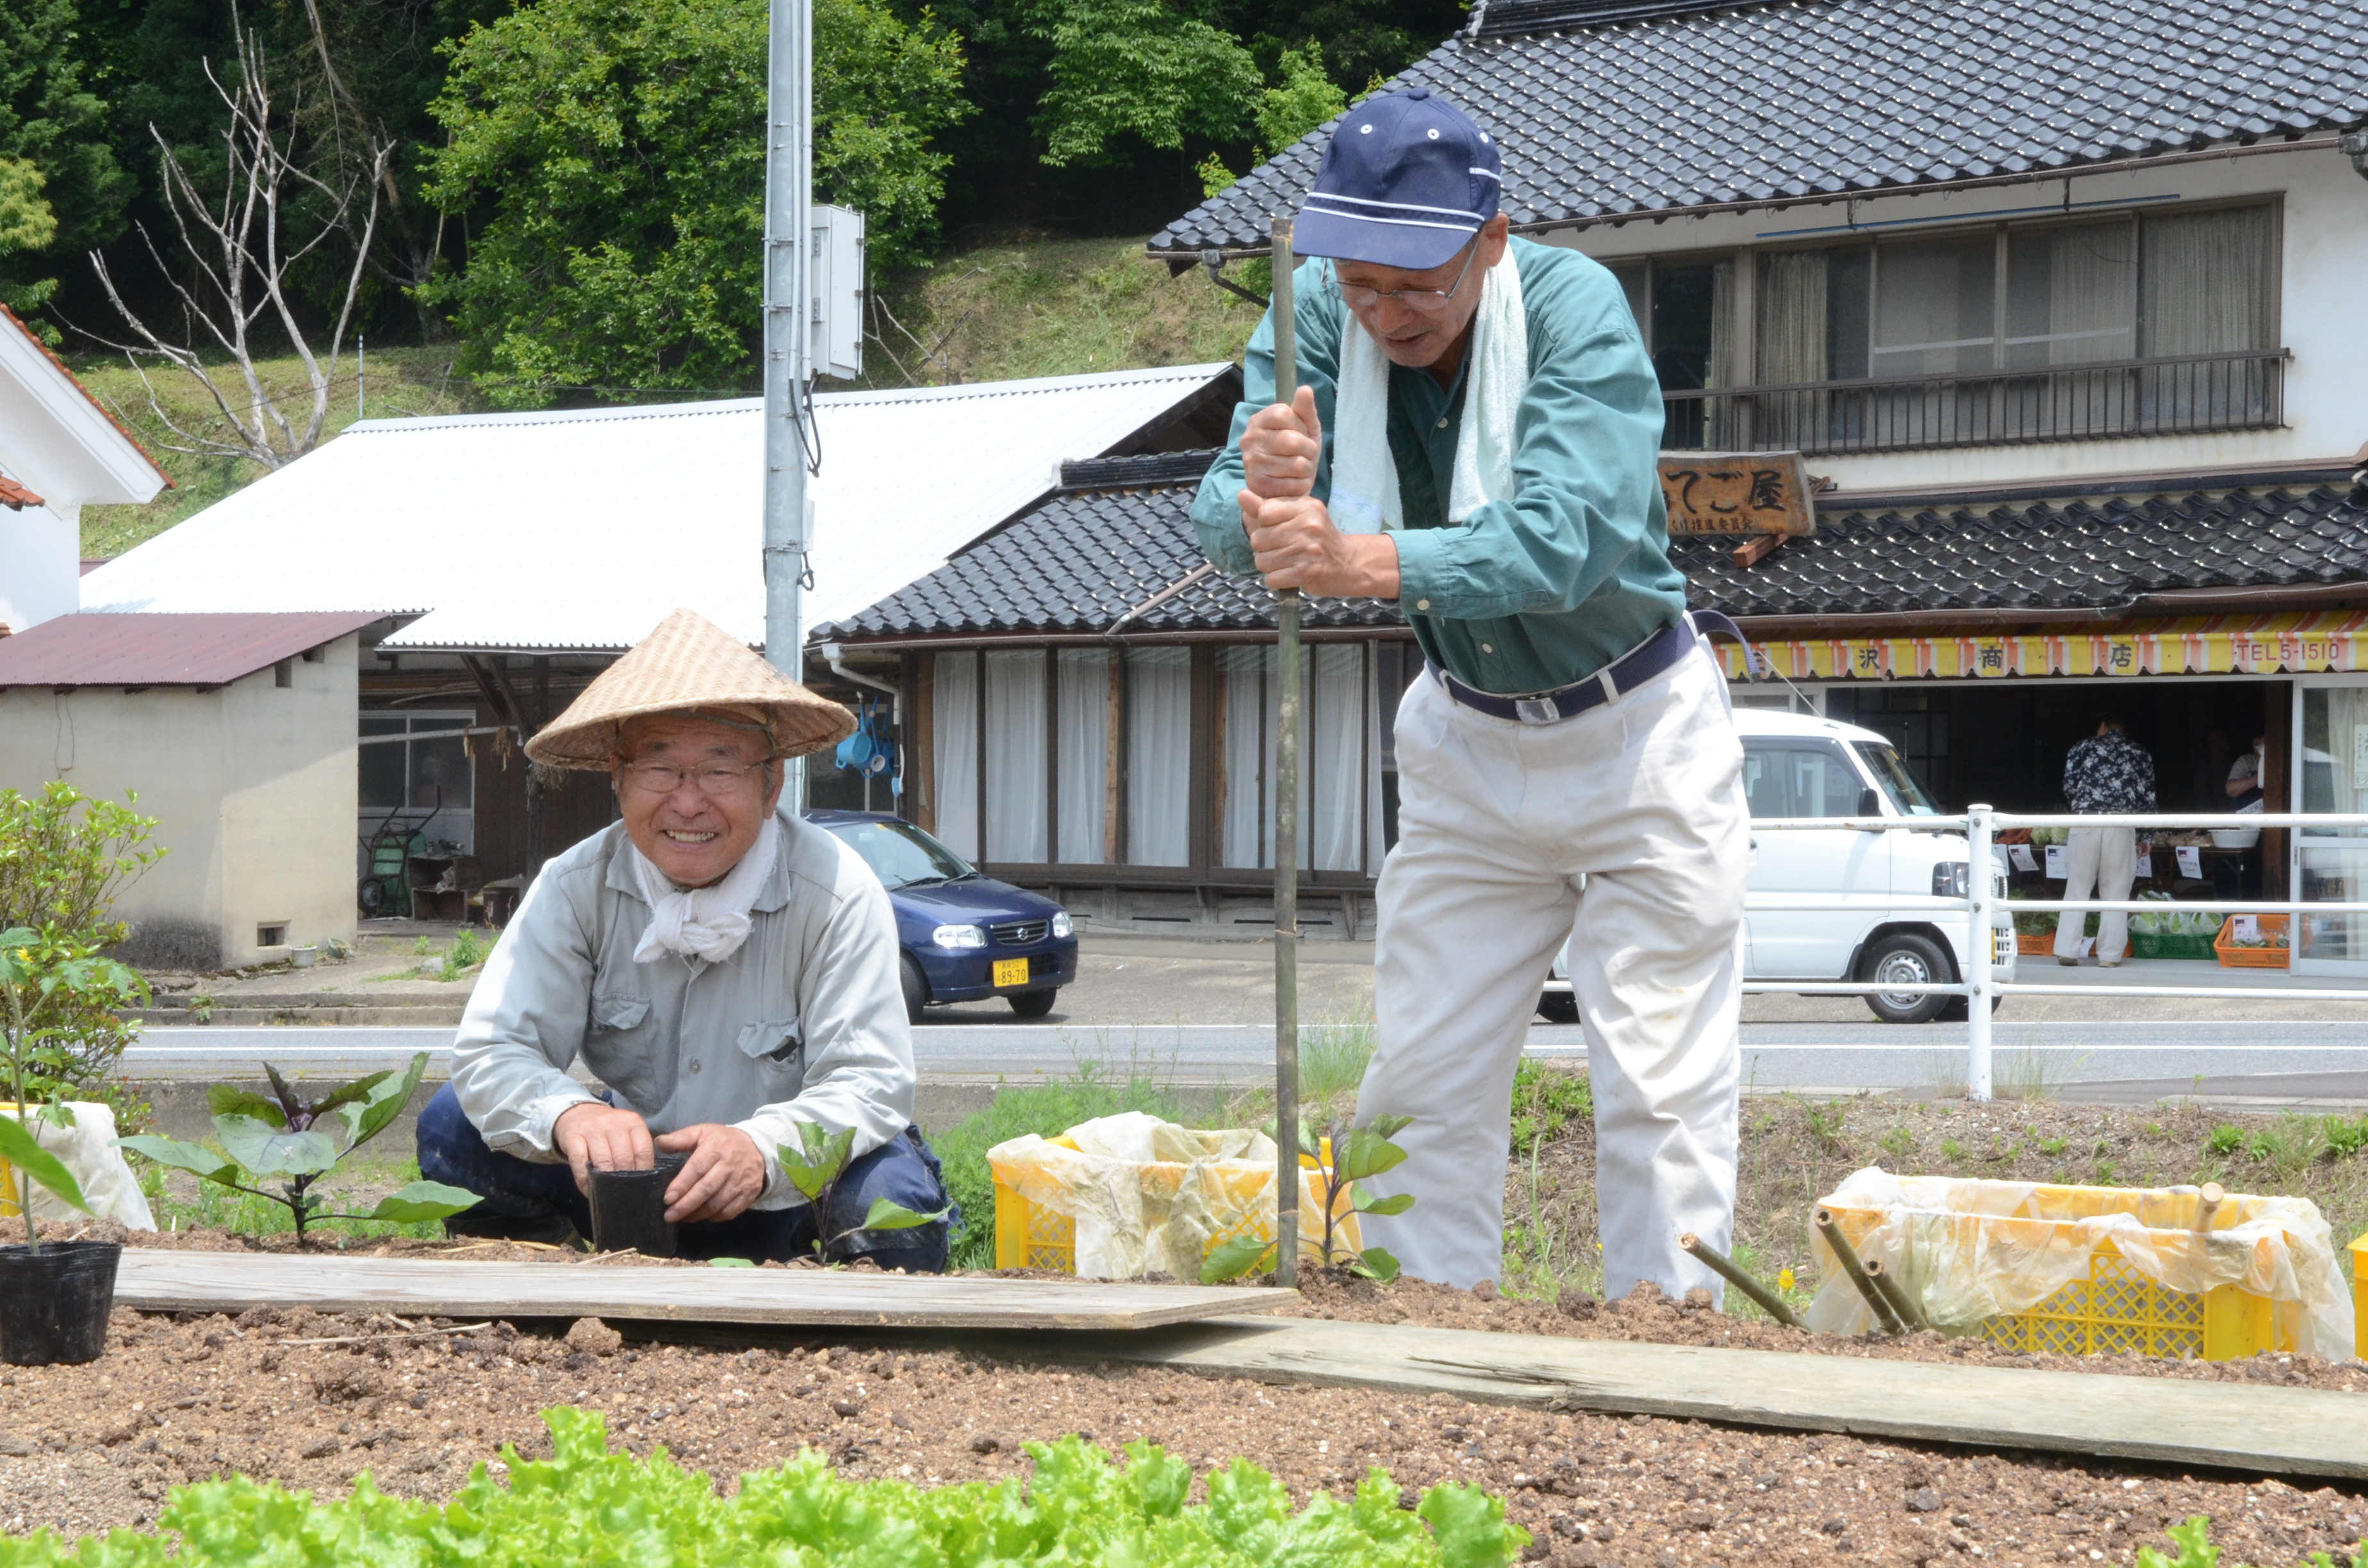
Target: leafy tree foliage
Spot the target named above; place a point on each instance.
(1140, 69)
(611, 155)
(1306, 98)
(60, 188)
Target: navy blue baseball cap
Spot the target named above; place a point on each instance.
(1406, 182)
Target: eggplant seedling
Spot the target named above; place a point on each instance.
(815, 1167)
(299, 1141)
(1347, 1155)
(26, 981)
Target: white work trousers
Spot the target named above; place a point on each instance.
(1630, 816)
(2099, 862)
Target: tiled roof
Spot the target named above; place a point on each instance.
(1768, 103)
(1079, 561)
(2082, 554)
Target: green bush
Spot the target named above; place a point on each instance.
(1045, 1109)
(588, 1505)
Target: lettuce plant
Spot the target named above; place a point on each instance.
(815, 1166)
(1348, 1154)
(298, 1141)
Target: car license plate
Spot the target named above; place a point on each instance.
(1011, 972)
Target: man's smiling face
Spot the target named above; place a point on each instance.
(696, 831)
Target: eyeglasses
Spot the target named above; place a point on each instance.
(716, 780)
(1430, 302)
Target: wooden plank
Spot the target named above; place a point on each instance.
(2244, 1427)
(1737, 493)
(157, 1280)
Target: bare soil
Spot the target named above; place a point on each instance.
(312, 1401)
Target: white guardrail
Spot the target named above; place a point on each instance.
(1980, 825)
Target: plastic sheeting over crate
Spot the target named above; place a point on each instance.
(2093, 1267)
(1146, 1195)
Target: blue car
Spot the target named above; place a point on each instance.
(967, 937)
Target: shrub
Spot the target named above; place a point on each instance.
(587, 1504)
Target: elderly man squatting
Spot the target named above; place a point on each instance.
(725, 968)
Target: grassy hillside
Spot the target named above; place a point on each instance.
(1019, 307)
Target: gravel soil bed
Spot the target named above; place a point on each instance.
(309, 1400)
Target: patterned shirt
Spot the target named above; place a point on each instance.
(2109, 773)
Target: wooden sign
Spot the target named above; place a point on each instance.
(1737, 493)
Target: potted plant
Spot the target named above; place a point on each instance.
(58, 1297)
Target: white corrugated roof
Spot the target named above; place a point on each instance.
(583, 529)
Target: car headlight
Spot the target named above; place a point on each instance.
(1950, 879)
(959, 937)
(1061, 926)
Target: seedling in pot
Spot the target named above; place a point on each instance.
(815, 1165)
(285, 1135)
(26, 981)
(1356, 1153)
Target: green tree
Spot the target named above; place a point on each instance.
(53, 135)
(27, 223)
(1139, 71)
(610, 156)
(1306, 98)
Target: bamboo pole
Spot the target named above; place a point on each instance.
(1885, 1318)
(1286, 822)
(1725, 1267)
(1902, 1306)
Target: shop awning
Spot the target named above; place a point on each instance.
(2291, 643)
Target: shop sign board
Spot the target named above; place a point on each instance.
(1737, 493)
(2291, 643)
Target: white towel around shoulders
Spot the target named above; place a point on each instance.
(1365, 479)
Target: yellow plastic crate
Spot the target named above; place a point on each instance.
(1029, 1236)
(2360, 1294)
(2117, 1308)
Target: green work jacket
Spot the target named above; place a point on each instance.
(1530, 593)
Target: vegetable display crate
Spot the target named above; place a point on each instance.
(2029, 946)
(2104, 1305)
(2233, 957)
(1031, 1236)
(2161, 945)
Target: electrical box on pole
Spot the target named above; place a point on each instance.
(836, 270)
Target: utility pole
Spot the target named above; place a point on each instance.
(789, 196)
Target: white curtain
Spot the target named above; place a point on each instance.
(1791, 346)
(1087, 754)
(2206, 289)
(2091, 295)
(1158, 757)
(953, 725)
(1719, 430)
(1335, 756)
(1015, 756)
(1243, 721)
(1381, 715)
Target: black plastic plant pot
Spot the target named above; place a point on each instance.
(629, 1209)
(55, 1304)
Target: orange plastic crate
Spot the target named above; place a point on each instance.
(2235, 957)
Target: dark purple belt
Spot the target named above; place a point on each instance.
(1616, 680)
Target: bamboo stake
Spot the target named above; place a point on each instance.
(1286, 822)
(1902, 1306)
(1725, 1267)
(1885, 1318)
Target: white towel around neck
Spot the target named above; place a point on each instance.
(1497, 376)
(708, 923)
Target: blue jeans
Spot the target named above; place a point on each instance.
(526, 1200)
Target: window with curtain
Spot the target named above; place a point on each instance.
(1014, 748)
(1085, 739)
(954, 761)
(1158, 757)
(1339, 774)
(1690, 334)
(2206, 286)
(1335, 755)
(1243, 724)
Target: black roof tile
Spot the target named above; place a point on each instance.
(1603, 117)
(1080, 560)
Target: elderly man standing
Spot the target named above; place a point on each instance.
(2106, 775)
(725, 969)
(1474, 436)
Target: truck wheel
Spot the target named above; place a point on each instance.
(1032, 1004)
(917, 990)
(1905, 958)
(1558, 1006)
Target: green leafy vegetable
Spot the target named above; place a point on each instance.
(815, 1164)
(1342, 1157)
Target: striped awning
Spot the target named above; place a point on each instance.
(2290, 643)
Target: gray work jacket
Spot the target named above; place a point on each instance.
(804, 1022)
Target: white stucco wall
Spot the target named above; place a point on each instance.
(39, 562)
(2323, 309)
(253, 786)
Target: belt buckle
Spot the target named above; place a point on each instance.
(1537, 710)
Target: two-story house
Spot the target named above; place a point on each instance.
(2062, 297)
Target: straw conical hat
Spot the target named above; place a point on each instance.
(688, 663)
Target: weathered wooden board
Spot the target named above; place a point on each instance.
(2245, 1427)
(156, 1280)
(1737, 493)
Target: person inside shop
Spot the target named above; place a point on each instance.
(2244, 786)
(726, 969)
(1476, 436)
(2106, 775)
